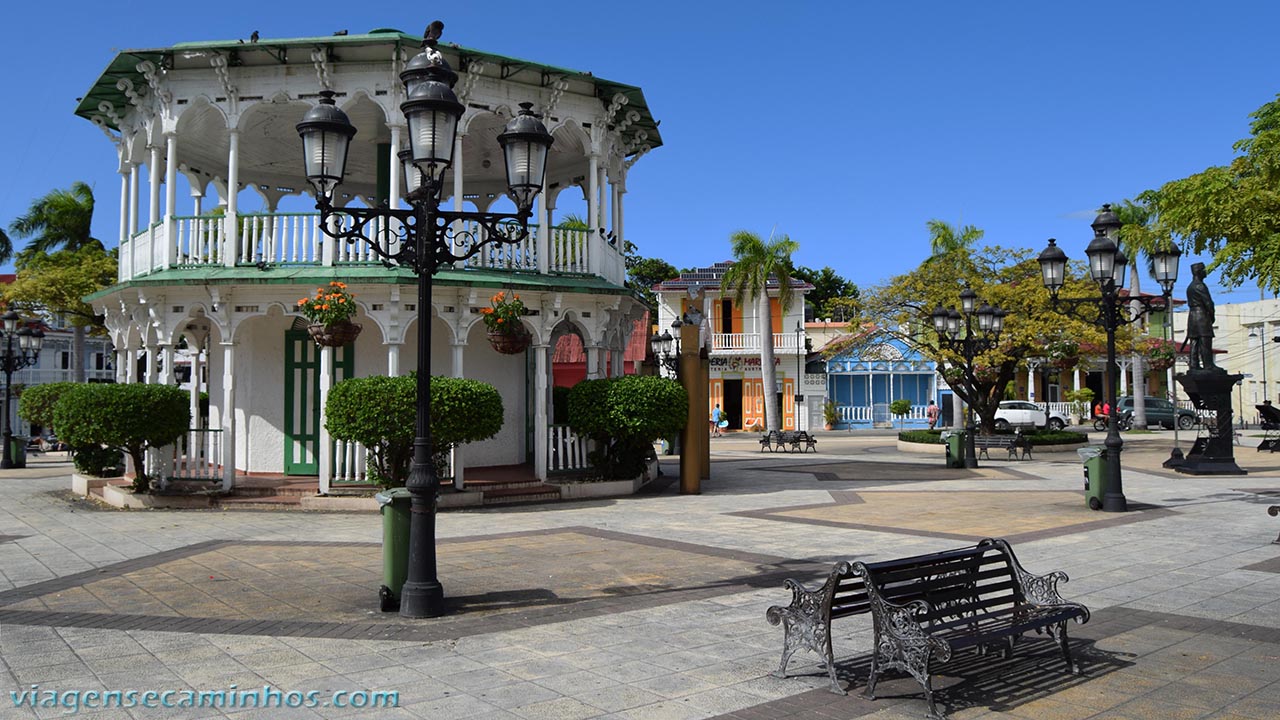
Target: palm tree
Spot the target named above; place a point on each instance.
(945, 238)
(1135, 241)
(6, 247)
(61, 220)
(756, 263)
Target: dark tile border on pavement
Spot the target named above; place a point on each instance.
(1036, 670)
(1138, 512)
(448, 627)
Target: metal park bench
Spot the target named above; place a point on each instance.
(925, 608)
(1018, 446)
(788, 440)
(1270, 422)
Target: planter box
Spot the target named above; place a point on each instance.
(331, 503)
(603, 488)
(122, 497)
(83, 484)
(1036, 452)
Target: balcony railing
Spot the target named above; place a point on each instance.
(275, 239)
(750, 342)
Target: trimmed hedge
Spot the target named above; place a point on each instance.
(625, 415)
(381, 413)
(37, 402)
(125, 418)
(1039, 438)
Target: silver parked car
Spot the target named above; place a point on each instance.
(1020, 413)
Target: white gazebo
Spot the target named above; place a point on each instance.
(224, 272)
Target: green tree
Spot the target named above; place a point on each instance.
(625, 416)
(1232, 210)
(6, 247)
(831, 293)
(60, 220)
(644, 273)
(901, 309)
(758, 264)
(57, 283)
(129, 418)
(946, 238)
(380, 413)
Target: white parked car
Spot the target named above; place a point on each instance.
(1019, 413)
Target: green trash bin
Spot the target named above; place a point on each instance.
(955, 448)
(394, 505)
(1094, 482)
(18, 450)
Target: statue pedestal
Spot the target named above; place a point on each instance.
(1214, 453)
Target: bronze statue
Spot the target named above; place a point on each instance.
(1200, 322)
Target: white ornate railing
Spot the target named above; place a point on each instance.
(349, 462)
(568, 450)
(297, 239)
(196, 456)
(750, 342)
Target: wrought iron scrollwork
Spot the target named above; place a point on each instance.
(1039, 590)
(423, 241)
(806, 622)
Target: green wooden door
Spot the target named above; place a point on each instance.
(302, 399)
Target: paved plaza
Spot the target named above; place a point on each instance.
(652, 606)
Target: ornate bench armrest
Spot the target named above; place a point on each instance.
(806, 604)
(1040, 589)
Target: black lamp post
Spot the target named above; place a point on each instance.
(946, 323)
(28, 352)
(423, 238)
(1107, 265)
(662, 346)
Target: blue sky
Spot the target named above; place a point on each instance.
(845, 125)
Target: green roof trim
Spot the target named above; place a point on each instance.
(372, 274)
(124, 65)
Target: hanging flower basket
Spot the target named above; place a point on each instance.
(335, 334)
(1159, 364)
(509, 343)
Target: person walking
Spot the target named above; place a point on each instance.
(717, 416)
(931, 413)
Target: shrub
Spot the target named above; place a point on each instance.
(98, 461)
(830, 413)
(624, 416)
(928, 437)
(124, 418)
(37, 402)
(381, 413)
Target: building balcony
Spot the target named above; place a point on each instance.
(268, 240)
(744, 343)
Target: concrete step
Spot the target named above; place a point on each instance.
(531, 493)
(259, 502)
(490, 485)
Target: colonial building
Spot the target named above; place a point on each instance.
(218, 239)
(865, 374)
(737, 384)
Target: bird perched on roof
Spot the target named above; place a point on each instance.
(341, 32)
(253, 38)
(433, 31)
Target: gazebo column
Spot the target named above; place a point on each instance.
(594, 249)
(153, 186)
(593, 362)
(126, 269)
(228, 415)
(396, 172)
(150, 376)
(130, 364)
(133, 199)
(457, 179)
(324, 449)
(541, 421)
(170, 198)
(458, 349)
(393, 359)
(165, 373)
(231, 224)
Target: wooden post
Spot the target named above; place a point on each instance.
(695, 431)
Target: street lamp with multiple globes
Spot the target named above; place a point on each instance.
(28, 352)
(662, 346)
(1107, 265)
(422, 239)
(800, 357)
(946, 323)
